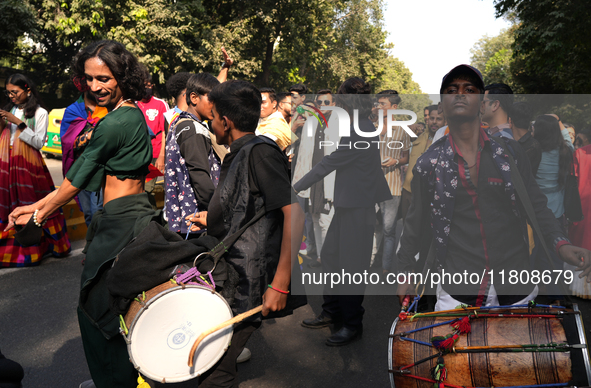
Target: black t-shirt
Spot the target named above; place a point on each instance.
(268, 178)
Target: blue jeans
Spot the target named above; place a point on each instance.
(386, 232)
(90, 202)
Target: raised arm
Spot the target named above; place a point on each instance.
(228, 62)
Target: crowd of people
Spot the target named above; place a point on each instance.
(447, 198)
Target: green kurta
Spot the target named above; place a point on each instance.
(120, 146)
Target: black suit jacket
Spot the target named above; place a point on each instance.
(359, 181)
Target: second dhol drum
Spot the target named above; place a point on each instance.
(496, 352)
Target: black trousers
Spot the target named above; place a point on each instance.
(223, 374)
(347, 251)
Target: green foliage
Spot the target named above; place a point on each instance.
(16, 19)
(493, 56)
(273, 42)
(552, 51)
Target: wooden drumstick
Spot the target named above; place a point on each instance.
(229, 322)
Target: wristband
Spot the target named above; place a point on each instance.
(278, 290)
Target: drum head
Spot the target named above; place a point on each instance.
(162, 334)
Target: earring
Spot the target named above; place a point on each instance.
(29, 94)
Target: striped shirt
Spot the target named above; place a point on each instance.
(393, 148)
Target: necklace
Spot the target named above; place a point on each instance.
(121, 103)
(469, 167)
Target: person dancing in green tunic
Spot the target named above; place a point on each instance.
(116, 159)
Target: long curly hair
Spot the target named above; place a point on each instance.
(33, 100)
(547, 133)
(123, 64)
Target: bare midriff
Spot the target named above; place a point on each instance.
(117, 188)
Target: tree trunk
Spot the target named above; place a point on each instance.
(263, 78)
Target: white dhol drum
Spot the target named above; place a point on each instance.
(165, 324)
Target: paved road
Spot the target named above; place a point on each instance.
(38, 328)
(55, 169)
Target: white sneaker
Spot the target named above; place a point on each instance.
(244, 356)
(87, 384)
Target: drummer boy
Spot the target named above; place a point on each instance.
(254, 175)
(464, 196)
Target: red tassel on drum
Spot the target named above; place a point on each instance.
(445, 343)
(463, 326)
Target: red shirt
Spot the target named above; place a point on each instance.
(153, 111)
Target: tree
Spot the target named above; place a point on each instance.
(16, 18)
(273, 42)
(551, 51)
(493, 56)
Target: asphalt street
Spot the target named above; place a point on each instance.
(39, 329)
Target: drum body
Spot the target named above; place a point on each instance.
(164, 325)
(488, 369)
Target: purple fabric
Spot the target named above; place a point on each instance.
(68, 139)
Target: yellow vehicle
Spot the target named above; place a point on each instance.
(53, 142)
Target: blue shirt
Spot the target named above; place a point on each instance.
(547, 179)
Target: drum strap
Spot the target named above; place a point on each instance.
(218, 251)
(429, 263)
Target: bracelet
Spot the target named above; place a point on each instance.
(39, 225)
(278, 290)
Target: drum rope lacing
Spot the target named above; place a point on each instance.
(446, 344)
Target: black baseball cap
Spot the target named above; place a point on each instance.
(462, 69)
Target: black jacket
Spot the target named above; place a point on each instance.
(359, 180)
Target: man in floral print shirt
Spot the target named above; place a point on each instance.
(192, 168)
(465, 207)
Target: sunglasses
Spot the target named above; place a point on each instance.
(323, 102)
(14, 93)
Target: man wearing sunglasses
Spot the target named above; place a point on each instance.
(317, 200)
(323, 99)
